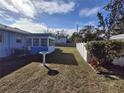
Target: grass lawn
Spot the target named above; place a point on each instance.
(74, 75)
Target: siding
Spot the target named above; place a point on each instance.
(4, 48)
(13, 43)
(9, 43)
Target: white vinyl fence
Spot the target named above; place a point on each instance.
(83, 52)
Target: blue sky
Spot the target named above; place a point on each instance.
(39, 15)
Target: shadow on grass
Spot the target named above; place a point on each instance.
(58, 57)
(9, 65)
(51, 72)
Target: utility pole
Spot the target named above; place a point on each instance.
(77, 27)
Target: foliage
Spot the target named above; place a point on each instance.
(75, 38)
(116, 9)
(89, 37)
(106, 51)
(88, 33)
(101, 21)
(113, 23)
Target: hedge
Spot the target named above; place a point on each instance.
(106, 51)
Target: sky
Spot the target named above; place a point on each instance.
(41, 15)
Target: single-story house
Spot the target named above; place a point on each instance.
(119, 37)
(14, 38)
(61, 39)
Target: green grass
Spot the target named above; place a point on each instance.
(75, 76)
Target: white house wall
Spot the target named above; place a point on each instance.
(4, 48)
(61, 40)
(13, 43)
(51, 49)
(118, 37)
(9, 43)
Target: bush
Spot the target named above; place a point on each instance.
(106, 51)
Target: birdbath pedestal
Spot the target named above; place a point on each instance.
(44, 53)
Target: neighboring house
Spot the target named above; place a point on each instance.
(120, 37)
(61, 39)
(13, 38)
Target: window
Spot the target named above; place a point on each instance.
(18, 39)
(35, 41)
(1, 38)
(51, 42)
(29, 42)
(43, 42)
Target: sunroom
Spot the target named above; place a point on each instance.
(40, 42)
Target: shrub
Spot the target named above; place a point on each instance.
(106, 51)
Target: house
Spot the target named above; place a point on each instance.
(61, 39)
(15, 39)
(120, 37)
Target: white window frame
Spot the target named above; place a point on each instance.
(33, 41)
(2, 37)
(18, 37)
(46, 41)
(52, 40)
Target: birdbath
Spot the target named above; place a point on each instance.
(44, 53)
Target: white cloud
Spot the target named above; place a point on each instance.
(27, 10)
(25, 7)
(29, 25)
(89, 11)
(68, 31)
(55, 6)
(93, 23)
(6, 17)
(7, 5)
(31, 8)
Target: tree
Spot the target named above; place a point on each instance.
(116, 15)
(113, 23)
(86, 34)
(90, 33)
(101, 21)
(75, 38)
(116, 9)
